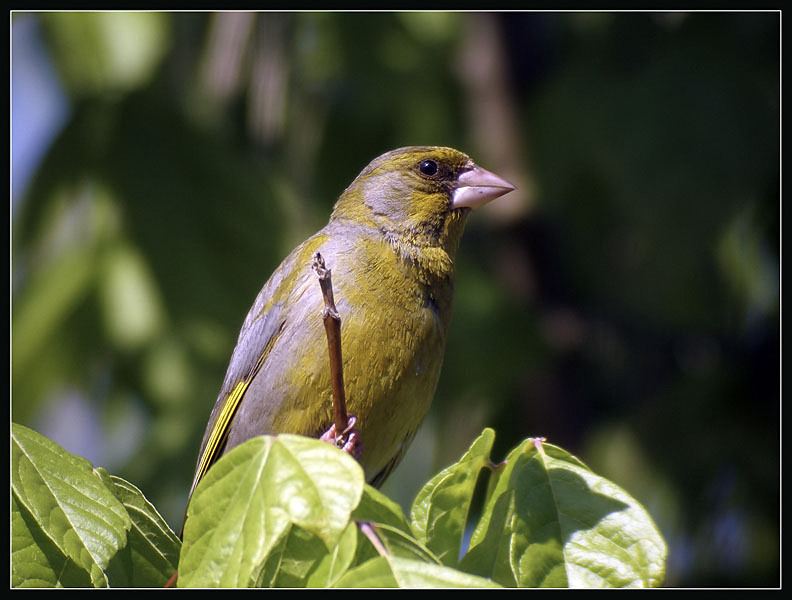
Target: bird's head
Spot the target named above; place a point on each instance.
(420, 194)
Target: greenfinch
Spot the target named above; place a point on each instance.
(390, 245)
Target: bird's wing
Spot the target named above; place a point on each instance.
(255, 342)
(260, 331)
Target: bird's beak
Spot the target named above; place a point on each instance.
(478, 186)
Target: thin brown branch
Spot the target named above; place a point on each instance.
(332, 323)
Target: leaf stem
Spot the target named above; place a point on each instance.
(367, 530)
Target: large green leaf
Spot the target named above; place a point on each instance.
(440, 510)
(550, 522)
(244, 509)
(64, 506)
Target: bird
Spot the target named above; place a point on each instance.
(390, 243)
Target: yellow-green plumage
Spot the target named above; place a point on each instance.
(390, 244)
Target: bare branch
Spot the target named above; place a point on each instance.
(332, 323)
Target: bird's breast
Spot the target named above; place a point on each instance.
(393, 332)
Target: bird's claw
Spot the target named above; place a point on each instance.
(348, 440)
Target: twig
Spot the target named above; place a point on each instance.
(171, 583)
(332, 323)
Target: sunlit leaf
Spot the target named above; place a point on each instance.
(551, 522)
(68, 501)
(439, 512)
(37, 561)
(407, 573)
(251, 498)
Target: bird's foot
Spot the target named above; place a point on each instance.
(348, 440)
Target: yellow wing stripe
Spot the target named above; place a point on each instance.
(222, 426)
(220, 430)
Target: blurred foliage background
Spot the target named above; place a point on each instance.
(624, 303)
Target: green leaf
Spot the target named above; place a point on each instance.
(36, 561)
(376, 507)
(301, 560)
(550, 522)
(62, 498)
(293, 560)
(403, 562)
(394, 571)
(397, 543)
(417, 574)
(151, 555)
(247, 504)
(374, 573)
(338, 561)
(440, 510)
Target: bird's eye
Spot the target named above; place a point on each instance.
(428, 168)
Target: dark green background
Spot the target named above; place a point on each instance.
(624, 303)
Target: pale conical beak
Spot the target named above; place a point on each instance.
(478, 186)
